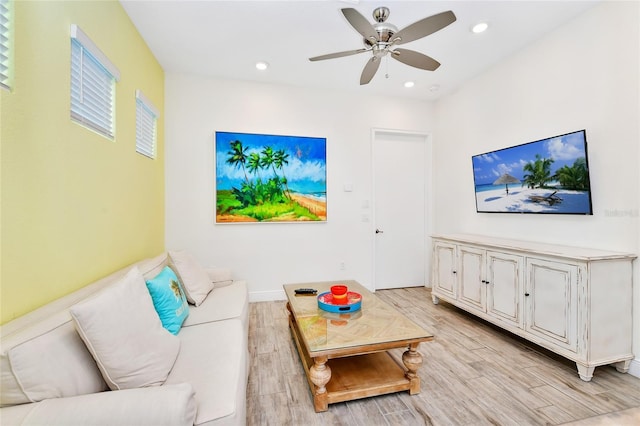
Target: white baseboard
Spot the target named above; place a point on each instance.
(267, 296)
(634, 368)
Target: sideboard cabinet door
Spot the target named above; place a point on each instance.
(445, 279)
(551, 302)
(504, 283)
(472, 285)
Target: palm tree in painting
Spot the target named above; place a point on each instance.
(280, 158)
(270, 159)
(238, 157)
(254, 165)
(267, 159)
(539, 172)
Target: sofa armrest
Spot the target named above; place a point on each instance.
(154, 406)
(220, 276)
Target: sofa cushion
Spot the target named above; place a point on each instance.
(156, 406)
(222, 303)
(213, 359)
(195, 279)
(168, 299)
(123, 332)
(53, 364)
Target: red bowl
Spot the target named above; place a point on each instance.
(339, 290)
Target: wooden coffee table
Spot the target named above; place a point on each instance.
(344, 354)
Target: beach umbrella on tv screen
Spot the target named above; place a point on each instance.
(506, 179)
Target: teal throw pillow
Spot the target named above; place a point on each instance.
(169, 299)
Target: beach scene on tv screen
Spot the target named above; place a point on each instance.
(546, 176)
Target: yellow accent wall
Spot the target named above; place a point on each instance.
(74, 205)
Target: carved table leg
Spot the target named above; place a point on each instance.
(320, 374)
(435, 299)
(412, 359)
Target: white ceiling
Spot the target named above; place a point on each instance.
(225, 39)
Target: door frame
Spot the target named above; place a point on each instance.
(428, 194)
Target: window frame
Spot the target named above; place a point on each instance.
(146, 113)
(93, 85)
(6, 40)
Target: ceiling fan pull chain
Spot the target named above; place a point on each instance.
(386, 60)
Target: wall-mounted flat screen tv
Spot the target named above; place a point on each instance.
(549, 176)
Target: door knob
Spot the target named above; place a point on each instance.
(379, 231)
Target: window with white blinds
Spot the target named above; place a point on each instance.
(146, 125)
(5, 42)
(93, 81)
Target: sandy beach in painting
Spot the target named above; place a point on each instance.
(523, 200)
(315, 206)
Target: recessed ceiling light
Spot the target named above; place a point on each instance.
(409, 84)
(480, 27)
(262, 65)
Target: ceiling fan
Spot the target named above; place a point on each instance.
(381, 38)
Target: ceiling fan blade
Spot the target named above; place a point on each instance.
(360, 24)
(337, 55)
(424, 27)
(370, 70)
(415, 59)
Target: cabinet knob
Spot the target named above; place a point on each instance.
(453, 272)
(526, 294)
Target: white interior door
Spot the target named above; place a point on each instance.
(401, 193)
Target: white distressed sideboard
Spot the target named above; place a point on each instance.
(576, 302)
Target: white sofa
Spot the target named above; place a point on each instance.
(48, 376)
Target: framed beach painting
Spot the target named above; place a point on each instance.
(549, 176)
(270, 178)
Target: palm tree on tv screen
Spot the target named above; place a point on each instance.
(575, 177)
(539, 172)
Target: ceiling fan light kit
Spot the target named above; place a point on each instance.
(381, 37)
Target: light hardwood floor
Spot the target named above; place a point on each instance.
(473, 374)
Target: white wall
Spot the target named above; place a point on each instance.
(585, 75)
(269, 255)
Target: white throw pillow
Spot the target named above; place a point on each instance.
(197, 283)
(123, 332)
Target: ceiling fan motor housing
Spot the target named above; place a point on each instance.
(384, 29)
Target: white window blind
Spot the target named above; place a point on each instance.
(93, 79)
(5, 42)
(146, 123)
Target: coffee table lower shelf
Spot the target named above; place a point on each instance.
(353, 376)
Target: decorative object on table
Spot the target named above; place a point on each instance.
(327, 302)
(267, 178)
(339, 293)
